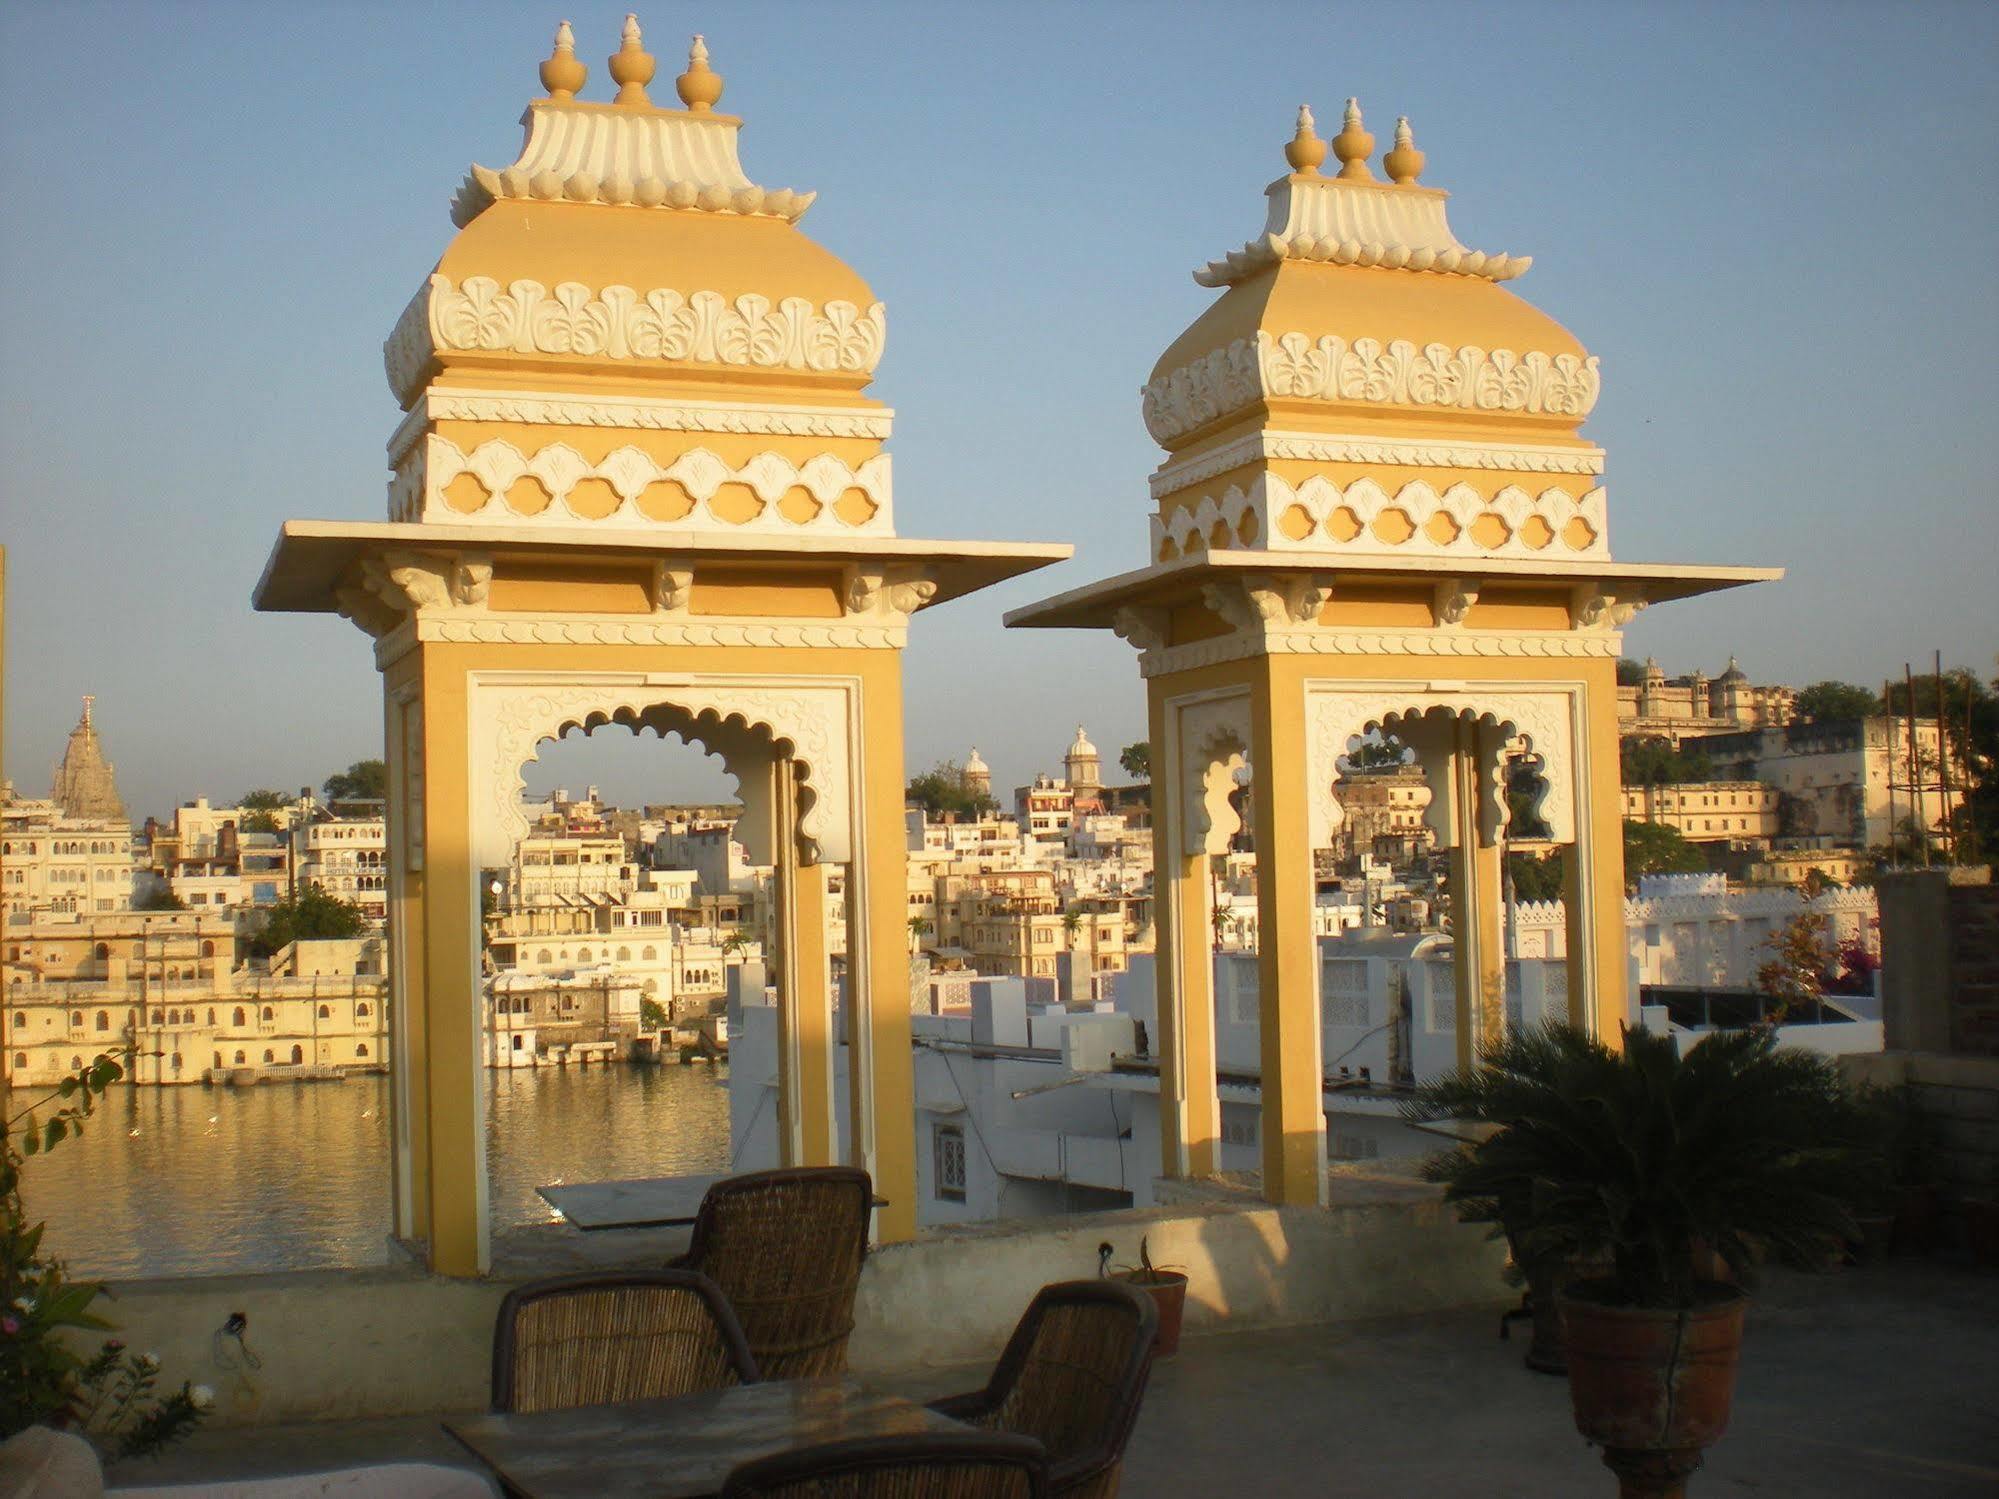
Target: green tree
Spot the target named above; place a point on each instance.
(1654, 848)
(364, 780)
(1379, 753)
(1647, 760)
(1137, 760)
(1535, 876)
(159, 899)
(1826, 702)
(1630, 672)
(652, 1015)
(1970, 710)
(258, 809)
(942, 791)
(310, 915)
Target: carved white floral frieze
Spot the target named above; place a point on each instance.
(1322, 640)
(440, 403)
(1319, 515)
(418, 492)
(1365, 371)
(662, 325)
(1176, 474)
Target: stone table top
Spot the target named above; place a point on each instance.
(644, 1202)
(680, 1448)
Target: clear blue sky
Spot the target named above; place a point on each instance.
(1775, 223)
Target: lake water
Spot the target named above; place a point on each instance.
(295, 1176)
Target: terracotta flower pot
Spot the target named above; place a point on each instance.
(1168, 1290)
(1652, 1387)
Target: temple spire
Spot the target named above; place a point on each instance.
(700, 87)
(563, 74)
(632, 66)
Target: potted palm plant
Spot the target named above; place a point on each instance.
(1643, 1160)
(1166, 1285)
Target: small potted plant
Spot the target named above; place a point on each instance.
(1640, 1158)
(1165, 1285)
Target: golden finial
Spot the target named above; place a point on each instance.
(1353, 145)
(700, 87)
(632, 66)
(562, 75)
(1405, 163)
(1306, 150)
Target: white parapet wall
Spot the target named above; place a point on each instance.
(334, 1345)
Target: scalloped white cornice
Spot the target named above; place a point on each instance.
(1358, 223)
(618, 323)
(1176, 474)
(643, 158)
(416, 493)
(1322, 640)
(1269, 498)
(1295, 366)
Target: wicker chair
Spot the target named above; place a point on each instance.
(786, 1249)
(923, 1465)
(598, 1338)
(1072, 1377)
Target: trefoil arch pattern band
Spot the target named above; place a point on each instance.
(747, 721)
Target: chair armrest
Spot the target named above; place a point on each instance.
(969, 1407)
(1073, 1473)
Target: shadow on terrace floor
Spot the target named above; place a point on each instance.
(1864, 1383)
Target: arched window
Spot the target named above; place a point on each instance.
(239, 1059)
(211, 1017)
(218, 1059)
(326, 1012)
(208, 949)
(103, 950)
(21, 1061)
(583, 956)
(361, 1010)
(158, 1018)
(76, 1064)
(651, 955)
(76, 1018)
(298, 1055)
(269, 1013)
(104, 1019)
(237, 1020)
(544, 957)
(361, 1050)
(269, 1055)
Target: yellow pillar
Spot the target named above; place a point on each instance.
(881, 1074)
(1478, 946)
(409, 1124)
(804, 990)
(1294, 1121)
(451, 1073)
(1184, 969)
(1599, 985)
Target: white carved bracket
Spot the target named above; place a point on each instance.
(1451, 600)
(1145, 627)
(1260, 602)
(894, 592)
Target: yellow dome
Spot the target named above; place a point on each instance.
(1357, 308)
(626, 244)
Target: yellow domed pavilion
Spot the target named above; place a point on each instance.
(1377, 514)
(639, 480)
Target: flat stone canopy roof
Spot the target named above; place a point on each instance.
(311, 556)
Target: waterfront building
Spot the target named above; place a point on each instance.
(1377, 516)
(344, 857)
(638, 479)
(53, 864)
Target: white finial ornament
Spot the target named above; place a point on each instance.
(565, 39)
(697, 51)
(630, 36)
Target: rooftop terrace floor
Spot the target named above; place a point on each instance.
(1867, 1382)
